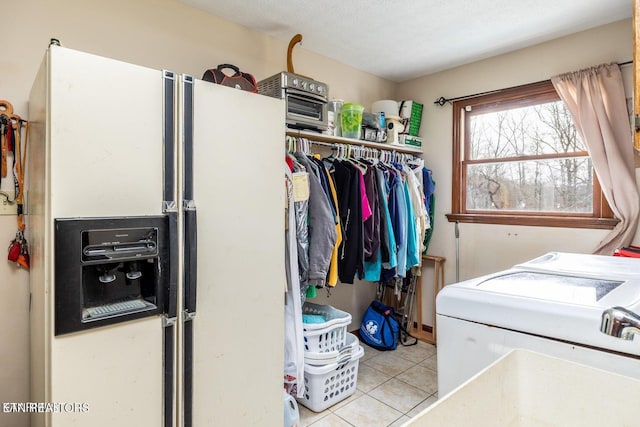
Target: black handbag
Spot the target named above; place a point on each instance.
(238, 80)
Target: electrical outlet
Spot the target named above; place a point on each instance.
(5, 207)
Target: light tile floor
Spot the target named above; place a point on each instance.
(392, 387)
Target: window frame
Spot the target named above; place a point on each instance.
(602, 216)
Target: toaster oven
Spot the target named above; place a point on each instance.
(305, 99)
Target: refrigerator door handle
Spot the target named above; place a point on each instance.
(190, 216)
(190, 261)
(171, 293)
(170, 209)
(190, 249)
(169, 141)
(169, 205)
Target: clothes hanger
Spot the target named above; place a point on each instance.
(416, 161)
(357, 159)
(352, 157)
(290, 144)
(397, 161)
(331, 157)
(294, 146)
(383, 163)
(367, 156)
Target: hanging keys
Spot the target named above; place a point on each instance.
(19, 250)
(24, 259)
(14, 250)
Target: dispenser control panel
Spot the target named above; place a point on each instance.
(108, 270)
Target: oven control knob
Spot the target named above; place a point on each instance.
(295, 82)
(303, 84)
(312, 87)
(320, 89)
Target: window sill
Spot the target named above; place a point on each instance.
(536, 221)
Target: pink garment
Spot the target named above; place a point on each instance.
(366, 207)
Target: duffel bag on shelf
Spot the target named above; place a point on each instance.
(239, 80)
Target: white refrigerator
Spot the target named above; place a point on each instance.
(181, 324)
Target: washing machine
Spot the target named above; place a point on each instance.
(553, 304)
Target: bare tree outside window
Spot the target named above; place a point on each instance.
(562, 184)
(518, 158)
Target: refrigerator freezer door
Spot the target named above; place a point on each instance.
(115, 370)
(105, 138)
(97, 152)
(239, 193)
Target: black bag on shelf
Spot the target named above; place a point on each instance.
(239, 80)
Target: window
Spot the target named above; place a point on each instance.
(518, 160)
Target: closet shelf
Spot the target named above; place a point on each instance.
(313, 136)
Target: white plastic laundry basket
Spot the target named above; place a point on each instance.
(350, 348)
(328, 336)
(327, 385)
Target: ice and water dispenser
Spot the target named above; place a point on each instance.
(109, 270)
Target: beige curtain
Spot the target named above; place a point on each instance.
(595, 97)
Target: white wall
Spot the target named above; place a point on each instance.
(489, 248)
(154, 33)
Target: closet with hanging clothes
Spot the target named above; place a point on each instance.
(355, 213)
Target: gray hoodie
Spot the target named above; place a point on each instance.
(322, 226)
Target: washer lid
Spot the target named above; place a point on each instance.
(585, 265)
(552, 287)
(553, 299)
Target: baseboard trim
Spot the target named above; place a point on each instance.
(425, 328)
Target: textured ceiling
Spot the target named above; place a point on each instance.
(403, 39)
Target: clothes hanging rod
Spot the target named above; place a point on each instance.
(335, 145)
(397, 156)
(316, 137)
(326, 144)
(442, 100)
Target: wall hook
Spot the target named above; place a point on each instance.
(7, 200)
